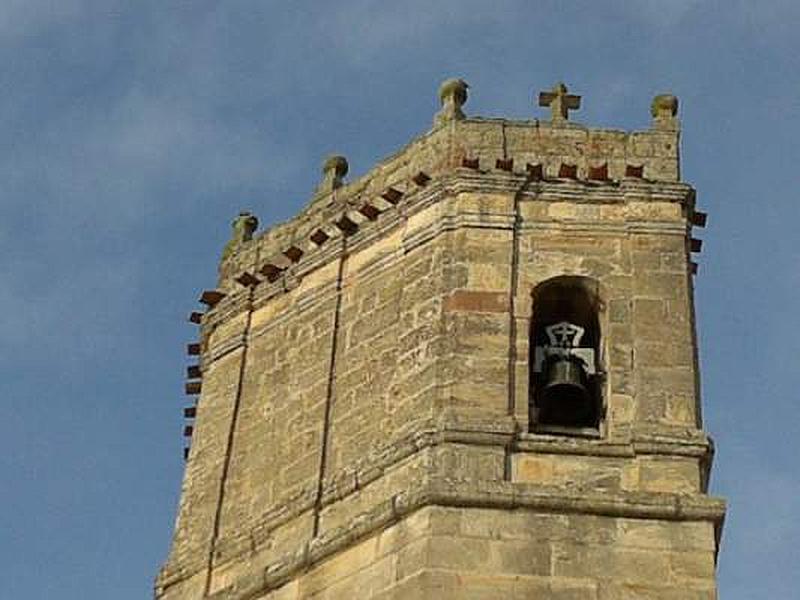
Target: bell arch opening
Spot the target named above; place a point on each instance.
(565, 346)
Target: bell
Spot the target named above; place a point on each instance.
(565, 399)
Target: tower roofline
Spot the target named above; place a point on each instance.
(655, 150)
(557, 151)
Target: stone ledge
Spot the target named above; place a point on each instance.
(464, 494)
(451, 427)
(456, 429)
(454, 182)
(340, 485)
(694, 445)
(448, 187)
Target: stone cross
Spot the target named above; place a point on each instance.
(560, 102)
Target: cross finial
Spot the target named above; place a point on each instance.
(560, 102)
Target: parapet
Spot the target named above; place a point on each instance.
(549, 152)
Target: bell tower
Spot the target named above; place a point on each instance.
(470, 373)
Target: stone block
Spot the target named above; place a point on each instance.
(669, 474)
(290, 591)
(692, 567)
(477, 301)
(581, 472)
(654, 211)
(573, 212)
(487, 204)
(681, 409)
(679, 537)
(382, 248)
(601, 562)
(339, 568)
(517, 557)
(653, 591)
(666, 286)
(489, 276)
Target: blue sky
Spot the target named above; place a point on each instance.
(134, 131)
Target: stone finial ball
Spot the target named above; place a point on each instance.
(453, 88)
(664, 105)
(337, 164)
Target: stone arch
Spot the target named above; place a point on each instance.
(577, 403)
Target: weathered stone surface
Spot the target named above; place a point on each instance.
(482, 554)
(364, 428)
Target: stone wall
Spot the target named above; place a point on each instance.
(485, 554)
(364, 423)
(440, 151)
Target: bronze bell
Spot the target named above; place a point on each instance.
(565, 398)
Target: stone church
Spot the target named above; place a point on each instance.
(469, 374)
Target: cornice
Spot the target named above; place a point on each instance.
(497, 495)
(453, 217)
(501, 432)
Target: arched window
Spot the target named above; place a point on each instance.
(565, 356)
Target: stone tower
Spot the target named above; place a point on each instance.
(469, 374)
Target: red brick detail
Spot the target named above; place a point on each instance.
(211, 297)
(599, 172)
(293, 253)
(636, 171)
(421, 178)
(347, 225)
(369, 211)
(247, 279)
(504, 164)
(535, 171)
(699, 218)
(392, 195)
(566, 171)
(319, 237)
(193, 387)
(271, 272)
